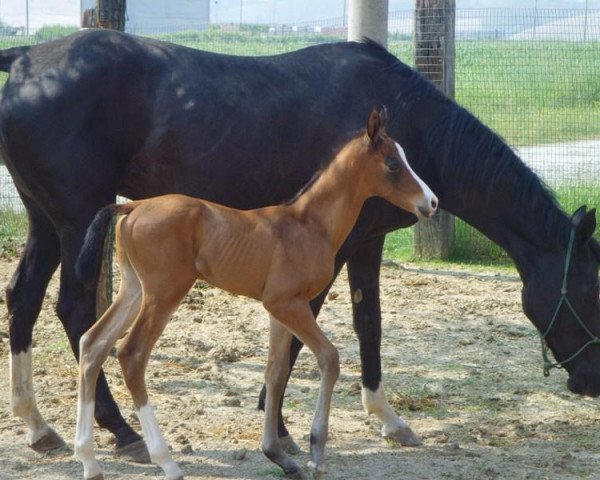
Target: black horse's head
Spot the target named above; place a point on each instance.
(562, 299)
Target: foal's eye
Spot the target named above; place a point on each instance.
(393, 164)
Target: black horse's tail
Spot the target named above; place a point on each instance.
(89, 262)
(8, 56)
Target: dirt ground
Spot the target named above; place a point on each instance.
(462, 365)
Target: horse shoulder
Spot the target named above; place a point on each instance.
(302, 265)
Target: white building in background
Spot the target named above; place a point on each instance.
(31, 15)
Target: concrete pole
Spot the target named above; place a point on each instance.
(368, 18)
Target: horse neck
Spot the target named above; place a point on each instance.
(335, 199)
(522, 218)
(525, 236)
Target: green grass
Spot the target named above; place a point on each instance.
(532, 92)
(470, 246)
(13, 229)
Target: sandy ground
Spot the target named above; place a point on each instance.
(461, 362)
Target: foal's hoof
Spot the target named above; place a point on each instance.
(134, 452)
(289, 446)
(316, 472)
(405, 436)
(97, 477)
(50, 441)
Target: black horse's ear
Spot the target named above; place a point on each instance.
(586, 227)
(578, 215)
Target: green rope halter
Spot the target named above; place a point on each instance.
(548, 364)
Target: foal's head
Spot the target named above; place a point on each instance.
(386, 172)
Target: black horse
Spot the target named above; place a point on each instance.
(102, 113)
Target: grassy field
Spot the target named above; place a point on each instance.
(529, 92)
(13, 228)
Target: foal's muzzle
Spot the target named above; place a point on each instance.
(429, 208)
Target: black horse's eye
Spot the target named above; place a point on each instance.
(393, 164)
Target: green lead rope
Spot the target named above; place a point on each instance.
(548, 364)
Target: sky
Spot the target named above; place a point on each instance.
(66, 12)
(297, 11)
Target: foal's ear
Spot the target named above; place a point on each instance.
(376, 123)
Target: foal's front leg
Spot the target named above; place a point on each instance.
(276, 375)
(298, 318)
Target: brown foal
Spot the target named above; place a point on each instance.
(282, 256)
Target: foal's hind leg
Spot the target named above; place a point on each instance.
(24, 296)
(363, 275)
(94, 347)
(76, 309)
(160, 301)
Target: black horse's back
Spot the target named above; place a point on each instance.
(143, 118)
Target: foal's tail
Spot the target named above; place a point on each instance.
(87, 267)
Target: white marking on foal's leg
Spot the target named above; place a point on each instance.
(157, 445)
(84, 439)
(22, 399)
(394, 427)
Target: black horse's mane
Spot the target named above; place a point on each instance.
(479, 161)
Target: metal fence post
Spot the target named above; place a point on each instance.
(435, 58)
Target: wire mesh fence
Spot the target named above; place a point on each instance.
(532, 75)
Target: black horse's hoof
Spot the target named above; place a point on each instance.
(50, 441)
(405, 437)
(134, 452)
(96, 477)
(289, 446)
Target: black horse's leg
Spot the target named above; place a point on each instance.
(363, 274)
(24, 296)
(76, 310)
